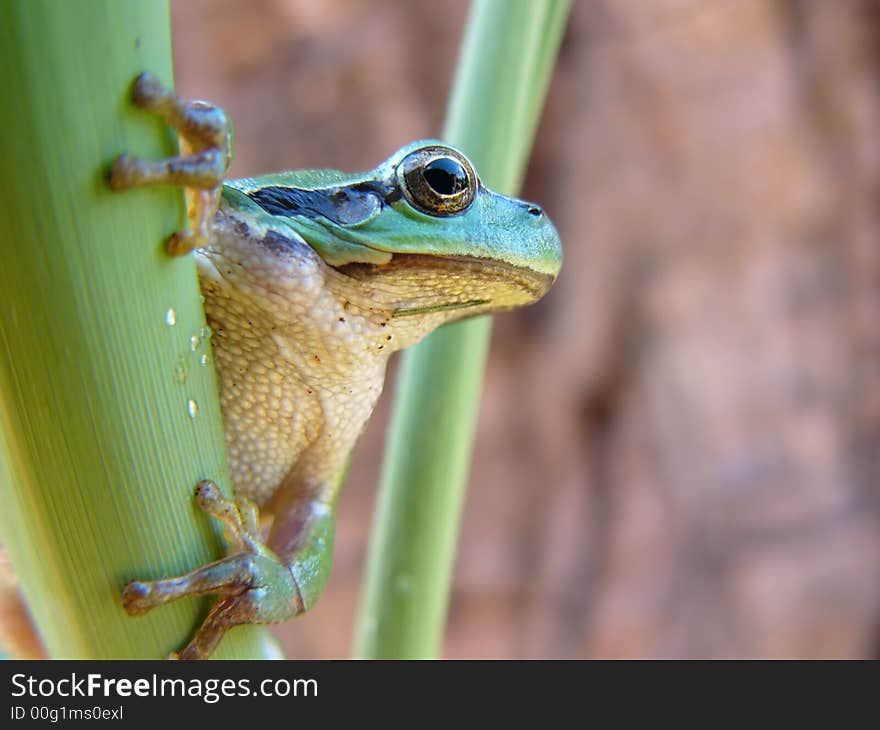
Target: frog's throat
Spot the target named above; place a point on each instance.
(401, 280)
(483, 283)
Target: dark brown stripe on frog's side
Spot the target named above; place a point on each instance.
(343, 205)
(272, 240)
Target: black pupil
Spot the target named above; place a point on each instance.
(445, 176)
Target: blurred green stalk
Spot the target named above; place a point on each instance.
(505, 65)
(107, 416)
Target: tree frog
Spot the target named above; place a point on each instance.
(311, 280)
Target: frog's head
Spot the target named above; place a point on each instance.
(423, 230)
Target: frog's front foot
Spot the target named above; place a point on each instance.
(255, 585)
(206, 150)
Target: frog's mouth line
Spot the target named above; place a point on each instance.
(532, 284)
(406, 312)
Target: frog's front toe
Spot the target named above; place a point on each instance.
(206, 151)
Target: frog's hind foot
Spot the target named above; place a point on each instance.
(206, 150)
(254, 584)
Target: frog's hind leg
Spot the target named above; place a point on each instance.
(254, 588)
(206, 151)
(256, 585)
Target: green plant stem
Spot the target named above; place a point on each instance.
(505, 65)
(107, 417)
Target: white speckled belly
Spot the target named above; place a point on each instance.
(299, 367)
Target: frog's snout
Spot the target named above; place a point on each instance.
(547, 244)
(540, 248)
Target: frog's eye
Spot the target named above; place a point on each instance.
(438, 181)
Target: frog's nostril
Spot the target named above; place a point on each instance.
(535, 211)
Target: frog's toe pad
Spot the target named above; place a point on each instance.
(208, 493)
(148, 91)
(137, 597)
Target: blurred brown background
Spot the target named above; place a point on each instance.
(679, 449)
